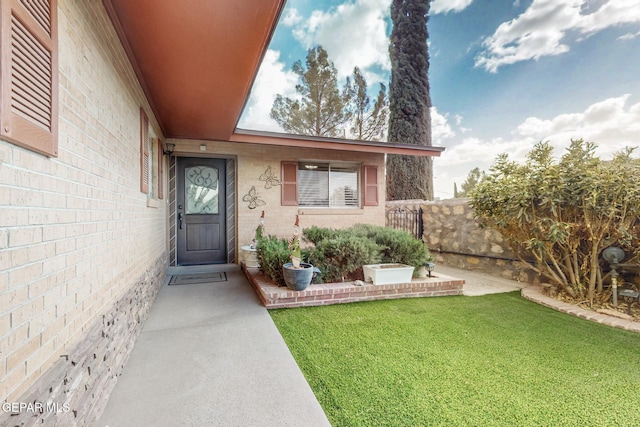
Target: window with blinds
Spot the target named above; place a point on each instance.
(334, 185)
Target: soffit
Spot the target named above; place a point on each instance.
(196, 59)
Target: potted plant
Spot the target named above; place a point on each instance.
(297, 274)
(259, 231)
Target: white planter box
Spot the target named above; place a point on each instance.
(384, 274)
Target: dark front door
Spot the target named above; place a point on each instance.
(200, 185)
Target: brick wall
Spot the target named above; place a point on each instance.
(76, 233)
(79, 382)
(252, 161)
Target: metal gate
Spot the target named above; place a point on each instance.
(409, 220)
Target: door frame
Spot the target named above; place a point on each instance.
(231, 217)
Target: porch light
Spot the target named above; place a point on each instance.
(168, 149)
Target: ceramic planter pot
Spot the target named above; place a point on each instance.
(297, 279)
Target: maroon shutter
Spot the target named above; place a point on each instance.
(370, 179)
(29, 49)
(289, 183)
(160, 145)
(144, 152)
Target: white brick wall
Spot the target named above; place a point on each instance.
(75, 231)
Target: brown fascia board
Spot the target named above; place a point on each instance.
(122, 36)
(306, 141)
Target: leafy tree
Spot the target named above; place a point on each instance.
(409, 177)
(322, 108)
(473, 178)
(559, 216)
(369, 122)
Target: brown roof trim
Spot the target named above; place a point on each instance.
(306, 141)
(117, 25)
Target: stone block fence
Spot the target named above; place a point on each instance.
(456, 239)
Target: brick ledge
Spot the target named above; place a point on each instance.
(274, 296)
(534, 293)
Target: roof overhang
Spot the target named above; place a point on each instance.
(196, 60)
(305, 141)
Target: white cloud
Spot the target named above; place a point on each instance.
(629, 36)
(354, 34)
(272, 79)
(458, 160)
(441, 130)
(612, 124)
(292, 17)
(610, 13)
(542, 29)
(446, 6)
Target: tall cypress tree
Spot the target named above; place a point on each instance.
(409, 177)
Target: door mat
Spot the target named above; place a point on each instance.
(192, 279)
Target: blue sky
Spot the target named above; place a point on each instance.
(504, 74)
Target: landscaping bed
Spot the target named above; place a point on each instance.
(273, 296)
(341, 254)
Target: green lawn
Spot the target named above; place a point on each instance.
(464, 361)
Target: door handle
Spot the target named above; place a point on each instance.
(180, 218)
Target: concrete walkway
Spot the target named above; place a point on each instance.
(476, 283)
(210, 355)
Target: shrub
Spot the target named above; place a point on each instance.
(343, 255)
(397, 246)
(317, 234)
(564, 213)
(272, 253)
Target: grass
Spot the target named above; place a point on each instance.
(496, 360)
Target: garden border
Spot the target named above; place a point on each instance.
(273, 296)
(535, 293)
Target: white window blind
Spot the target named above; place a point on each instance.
(328, 185)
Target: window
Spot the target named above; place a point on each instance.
(145, 164)
(159, 177)
(151, 160)
(328, 184)
(29, 74)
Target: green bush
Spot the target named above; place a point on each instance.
(342, 253)
(272, 253)
(397, 246)
(317, 234)
(559, 215)
(343, 256)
